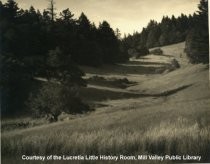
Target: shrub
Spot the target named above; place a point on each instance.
(53, 99)
(142, 51)
(175, 63)
(157, 51)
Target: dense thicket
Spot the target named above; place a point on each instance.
(49, 45)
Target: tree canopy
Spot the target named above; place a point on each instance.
(49, 45)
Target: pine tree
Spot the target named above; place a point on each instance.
(84, 25)
(153, 35)
(67, 16)
(108, 42)
(197, 43)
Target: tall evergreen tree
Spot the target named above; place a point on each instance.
(67, 16)
(15, 77)
(108, 42)
(197, 43)
(84, 25)
(153, 35)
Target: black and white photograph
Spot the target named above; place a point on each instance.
(104, 81)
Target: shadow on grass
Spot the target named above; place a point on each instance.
(95, 94)
(100, 94)
(111, 82)
(130, 68)
(140, 70)
(164, 55)
(173, 91)
(146, 63)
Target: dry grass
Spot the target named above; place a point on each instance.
(8, 124)
(177, 123)
(114, 133)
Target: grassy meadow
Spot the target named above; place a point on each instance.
(134, 120)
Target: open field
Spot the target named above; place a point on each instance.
(156, 112)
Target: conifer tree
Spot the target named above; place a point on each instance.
(197, 43)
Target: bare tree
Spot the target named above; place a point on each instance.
(52, 9)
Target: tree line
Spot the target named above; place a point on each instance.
(168, 31)
(192, 28)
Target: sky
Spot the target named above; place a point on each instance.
(127, 15)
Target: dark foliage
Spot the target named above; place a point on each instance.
(108, 42)
(157, 51)
(192, 28)
(168, 31)
(49, 45)
(53, 99)
(197, 42)
(142, 51)
(60, 67)
(60, 92)
(175, 64)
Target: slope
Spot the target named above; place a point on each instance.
(170, 116)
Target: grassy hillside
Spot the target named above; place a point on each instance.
(161, 113)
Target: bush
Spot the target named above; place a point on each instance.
(142, 51)
(175, 64)
(53, 99)
(132, 52)
(157, 51)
